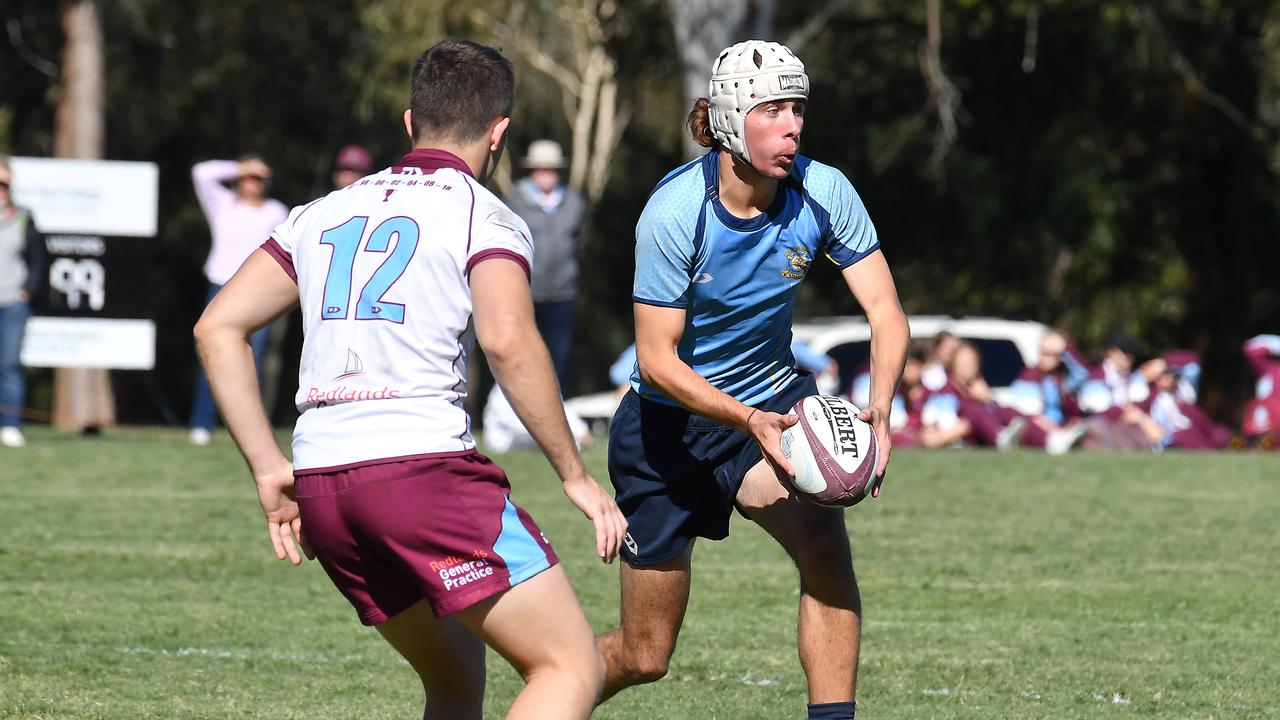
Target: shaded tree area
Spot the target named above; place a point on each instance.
(1096, 164)
(1123, 183)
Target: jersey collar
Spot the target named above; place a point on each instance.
(430, 159)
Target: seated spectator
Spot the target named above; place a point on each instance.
(950, 411)
(1127, 385)
(998, 426)
(1182, 424)
(1046, 389)
(1114, 398)
(934, 373)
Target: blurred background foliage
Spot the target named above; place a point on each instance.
(1102, 165)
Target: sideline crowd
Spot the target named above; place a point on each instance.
(1066, 402)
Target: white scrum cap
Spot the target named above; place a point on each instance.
(745, 75)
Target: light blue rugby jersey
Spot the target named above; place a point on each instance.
(737, 279)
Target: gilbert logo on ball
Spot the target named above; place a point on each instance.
(834, 454)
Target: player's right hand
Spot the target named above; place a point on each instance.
(599, 507)
(766, 428)
(284, 526)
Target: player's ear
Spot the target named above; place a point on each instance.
(497, 133)
(408, 123)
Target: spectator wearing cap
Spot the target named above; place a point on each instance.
(350, 164)
(241, 218)
(22, 273)
(556, 216)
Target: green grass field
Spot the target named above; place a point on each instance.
(136, 582)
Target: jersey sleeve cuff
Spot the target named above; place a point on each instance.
(281, 256)
(679, 303)
(843, 257)
(491, 254)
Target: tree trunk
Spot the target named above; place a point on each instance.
(704, 28)
(82, 398)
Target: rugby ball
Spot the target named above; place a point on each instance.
(834, 454)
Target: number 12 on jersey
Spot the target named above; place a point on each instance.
(345, 241)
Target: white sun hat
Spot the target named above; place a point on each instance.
(544, 154)
(745, 75)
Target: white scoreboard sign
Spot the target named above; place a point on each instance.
(96, 217)
(88, 197)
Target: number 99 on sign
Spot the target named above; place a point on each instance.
(81, 281)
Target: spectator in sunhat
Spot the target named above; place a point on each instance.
(556, 216)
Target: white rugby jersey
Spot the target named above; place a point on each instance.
(382, 269)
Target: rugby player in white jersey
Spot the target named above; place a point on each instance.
(394, 275)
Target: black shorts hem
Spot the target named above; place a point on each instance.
(638, 563)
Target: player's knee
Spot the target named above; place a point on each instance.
(649, 666)
(576, 673)
(825, 561)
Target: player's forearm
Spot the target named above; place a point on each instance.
(522, 367)
(675, 379)
(890, 336)
(228, 363)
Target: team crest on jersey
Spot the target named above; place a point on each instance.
(800, 260)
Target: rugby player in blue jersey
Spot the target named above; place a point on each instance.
(722, 247)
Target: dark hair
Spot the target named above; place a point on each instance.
(458, 88)
(700, 123)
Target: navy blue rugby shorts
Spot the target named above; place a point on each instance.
(676, 474)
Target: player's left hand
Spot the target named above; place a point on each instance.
(879, 421)
(284, 526)
(599, 507)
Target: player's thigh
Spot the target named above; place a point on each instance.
(537, 624)
(442, 651)
(654, 600)
(814, 536)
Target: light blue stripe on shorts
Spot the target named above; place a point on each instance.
(522, 553)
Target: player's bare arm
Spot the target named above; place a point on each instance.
(257, 294)
(503, 312)
(872, 285)
(658, 334)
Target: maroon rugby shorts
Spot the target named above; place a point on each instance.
(440, 528)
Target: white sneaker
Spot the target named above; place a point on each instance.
(11, 436)
(1008, 437)
(200, 436)
(1059, 442)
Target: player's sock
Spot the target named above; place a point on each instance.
(832, 711)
